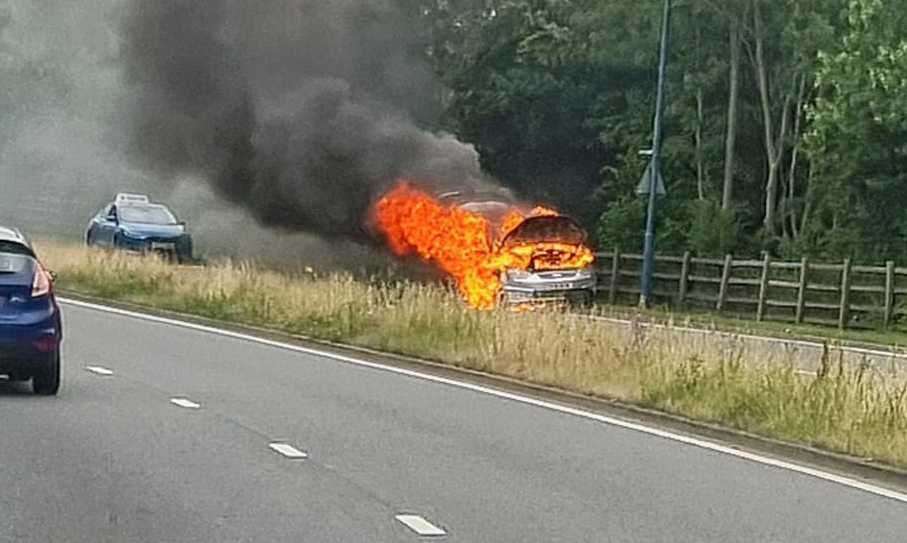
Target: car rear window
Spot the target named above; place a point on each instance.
(15, 248)
(15, 257)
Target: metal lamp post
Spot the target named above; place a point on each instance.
(654, 171)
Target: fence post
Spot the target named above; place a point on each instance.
(615, 277)
(684, 280)
(801, 294)
(889, 293)
(763, 286)
(725, 278)
(844, 317)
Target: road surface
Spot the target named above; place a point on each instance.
(180, 435)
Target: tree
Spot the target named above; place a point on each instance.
(858, 137)
(558, 97)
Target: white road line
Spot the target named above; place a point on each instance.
(637, 427)
(98, 370)
(184, 402)
(419, 525)
(289, 451)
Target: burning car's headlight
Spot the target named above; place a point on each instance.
(585, 274)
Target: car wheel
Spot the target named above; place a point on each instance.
(184, 253)
(89, 239)
(47, 381)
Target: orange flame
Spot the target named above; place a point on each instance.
(464, 244)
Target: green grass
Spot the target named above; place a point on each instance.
(844, 409)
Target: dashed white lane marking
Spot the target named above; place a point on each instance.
(520, 398)
(289, 451)
(421, 526)
(184, 402)
(98, 370)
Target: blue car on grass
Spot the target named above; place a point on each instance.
(133, 223)
(31, 329)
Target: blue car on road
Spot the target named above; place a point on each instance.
(31, 329)
(133, 223)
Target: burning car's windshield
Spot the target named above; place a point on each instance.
(546, 230)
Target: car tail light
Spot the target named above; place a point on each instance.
(41, 285)
(46, 344)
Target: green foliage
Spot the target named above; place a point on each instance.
(622, 224)
(858, 135)
(713, 231)
(558, 97)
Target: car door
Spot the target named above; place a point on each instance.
(107, 227)
(93, 232)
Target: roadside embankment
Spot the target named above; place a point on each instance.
(841, 405)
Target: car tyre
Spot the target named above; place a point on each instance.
(47, 381)
(184, 253)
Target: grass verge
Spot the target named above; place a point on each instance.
(844, 409)
(892, 339)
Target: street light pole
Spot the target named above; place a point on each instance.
(648, 266)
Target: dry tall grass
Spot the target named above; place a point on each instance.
(846, 409)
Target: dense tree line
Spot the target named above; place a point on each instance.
(786, 119)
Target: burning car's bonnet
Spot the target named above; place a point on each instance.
(546, 229)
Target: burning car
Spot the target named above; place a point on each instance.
(546, 259)
(495, 250)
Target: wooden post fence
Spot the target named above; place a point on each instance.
(889, 293)
(801, 292)
(684, 280)
(844, 316)
(763, 286)
(812, 291)
(615, 277)
(725, 279)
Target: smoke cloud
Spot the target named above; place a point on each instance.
(60, 80)
(300, 111)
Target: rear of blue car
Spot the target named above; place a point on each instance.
(30, 323)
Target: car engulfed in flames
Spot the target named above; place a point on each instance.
(495, 250)
(546, 259)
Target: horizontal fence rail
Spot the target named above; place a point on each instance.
(802, 292)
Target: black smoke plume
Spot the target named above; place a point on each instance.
(301, 111)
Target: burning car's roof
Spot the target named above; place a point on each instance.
(476, 195)
(547, 229)
(494, 206)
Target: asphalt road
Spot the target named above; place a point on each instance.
(114, 460)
